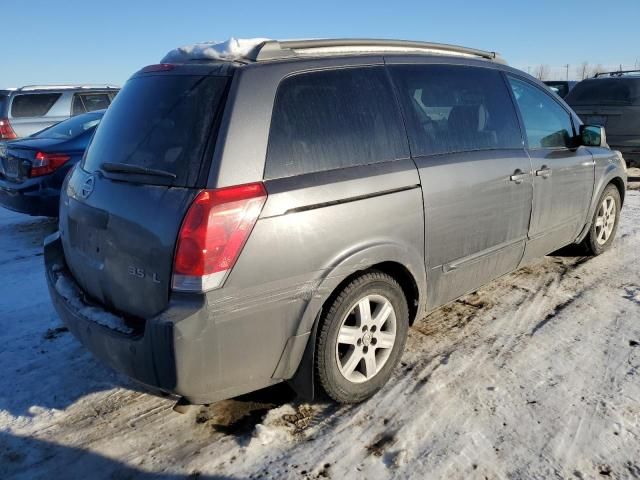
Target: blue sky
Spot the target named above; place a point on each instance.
(88, 41)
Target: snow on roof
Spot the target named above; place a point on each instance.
(232, 49)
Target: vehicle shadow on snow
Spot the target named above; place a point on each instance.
(24, 237)
(57, 373)
(26, 457)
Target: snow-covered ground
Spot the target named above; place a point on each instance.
(537, 375)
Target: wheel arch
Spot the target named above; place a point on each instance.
(402, 262)
(612, 176)
(407, 267)
(619, 183)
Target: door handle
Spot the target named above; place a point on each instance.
(518, 176)
(544, 172)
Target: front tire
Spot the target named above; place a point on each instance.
(361, 338)
(605, 222)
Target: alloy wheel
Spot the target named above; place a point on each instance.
(605, 219)
(366, 338)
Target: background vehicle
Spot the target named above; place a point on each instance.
(613, 101)
(279, 217)
(27, 110)
(32, 169)
(561, 87)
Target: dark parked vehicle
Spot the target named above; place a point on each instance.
(27, 110)
(32, 169)
(613, 101)
(288, 214)
(561, 87)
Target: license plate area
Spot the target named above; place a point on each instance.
(10, 166)
(85, 239)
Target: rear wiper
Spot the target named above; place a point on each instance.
(136, 169)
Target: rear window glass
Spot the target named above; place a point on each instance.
(77, 107)
(33, 104)
(160, 122)
(71, 128)
(95, 101)
(606, 91)
(3, 103)
(456, 109)
(333, 119)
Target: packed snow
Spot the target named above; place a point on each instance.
(536, 375)
(71, 294)
(232, 49)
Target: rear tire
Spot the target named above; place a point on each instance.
(605, 222)
(361, 338)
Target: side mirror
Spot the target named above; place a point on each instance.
(593, 136)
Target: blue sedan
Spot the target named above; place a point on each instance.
(32, 169)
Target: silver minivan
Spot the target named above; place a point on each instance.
(287, 214)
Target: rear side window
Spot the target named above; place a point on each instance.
(333, 119)
(95, 101)
(33, 104)
(77, 107)
(452, 108)
(547, 124)
(160, 122)
(90, 102)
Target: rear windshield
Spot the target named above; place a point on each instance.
(606, 91)
(3, 103)
(159, 122)
(71, 128)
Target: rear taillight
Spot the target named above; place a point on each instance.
(213, 232)
(6, 130)
(46, 163)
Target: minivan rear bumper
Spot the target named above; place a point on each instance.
(129, 353)
(166, 354)
(176, 351)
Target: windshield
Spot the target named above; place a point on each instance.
(606, 91)
(3, 102)
(72, 127)
(159, 122)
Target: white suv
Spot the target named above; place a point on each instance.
(27, 110)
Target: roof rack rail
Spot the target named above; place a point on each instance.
(274, 49)
(27, 88)
(617, 73)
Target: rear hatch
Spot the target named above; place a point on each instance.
(122, 210)
(613, 103)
